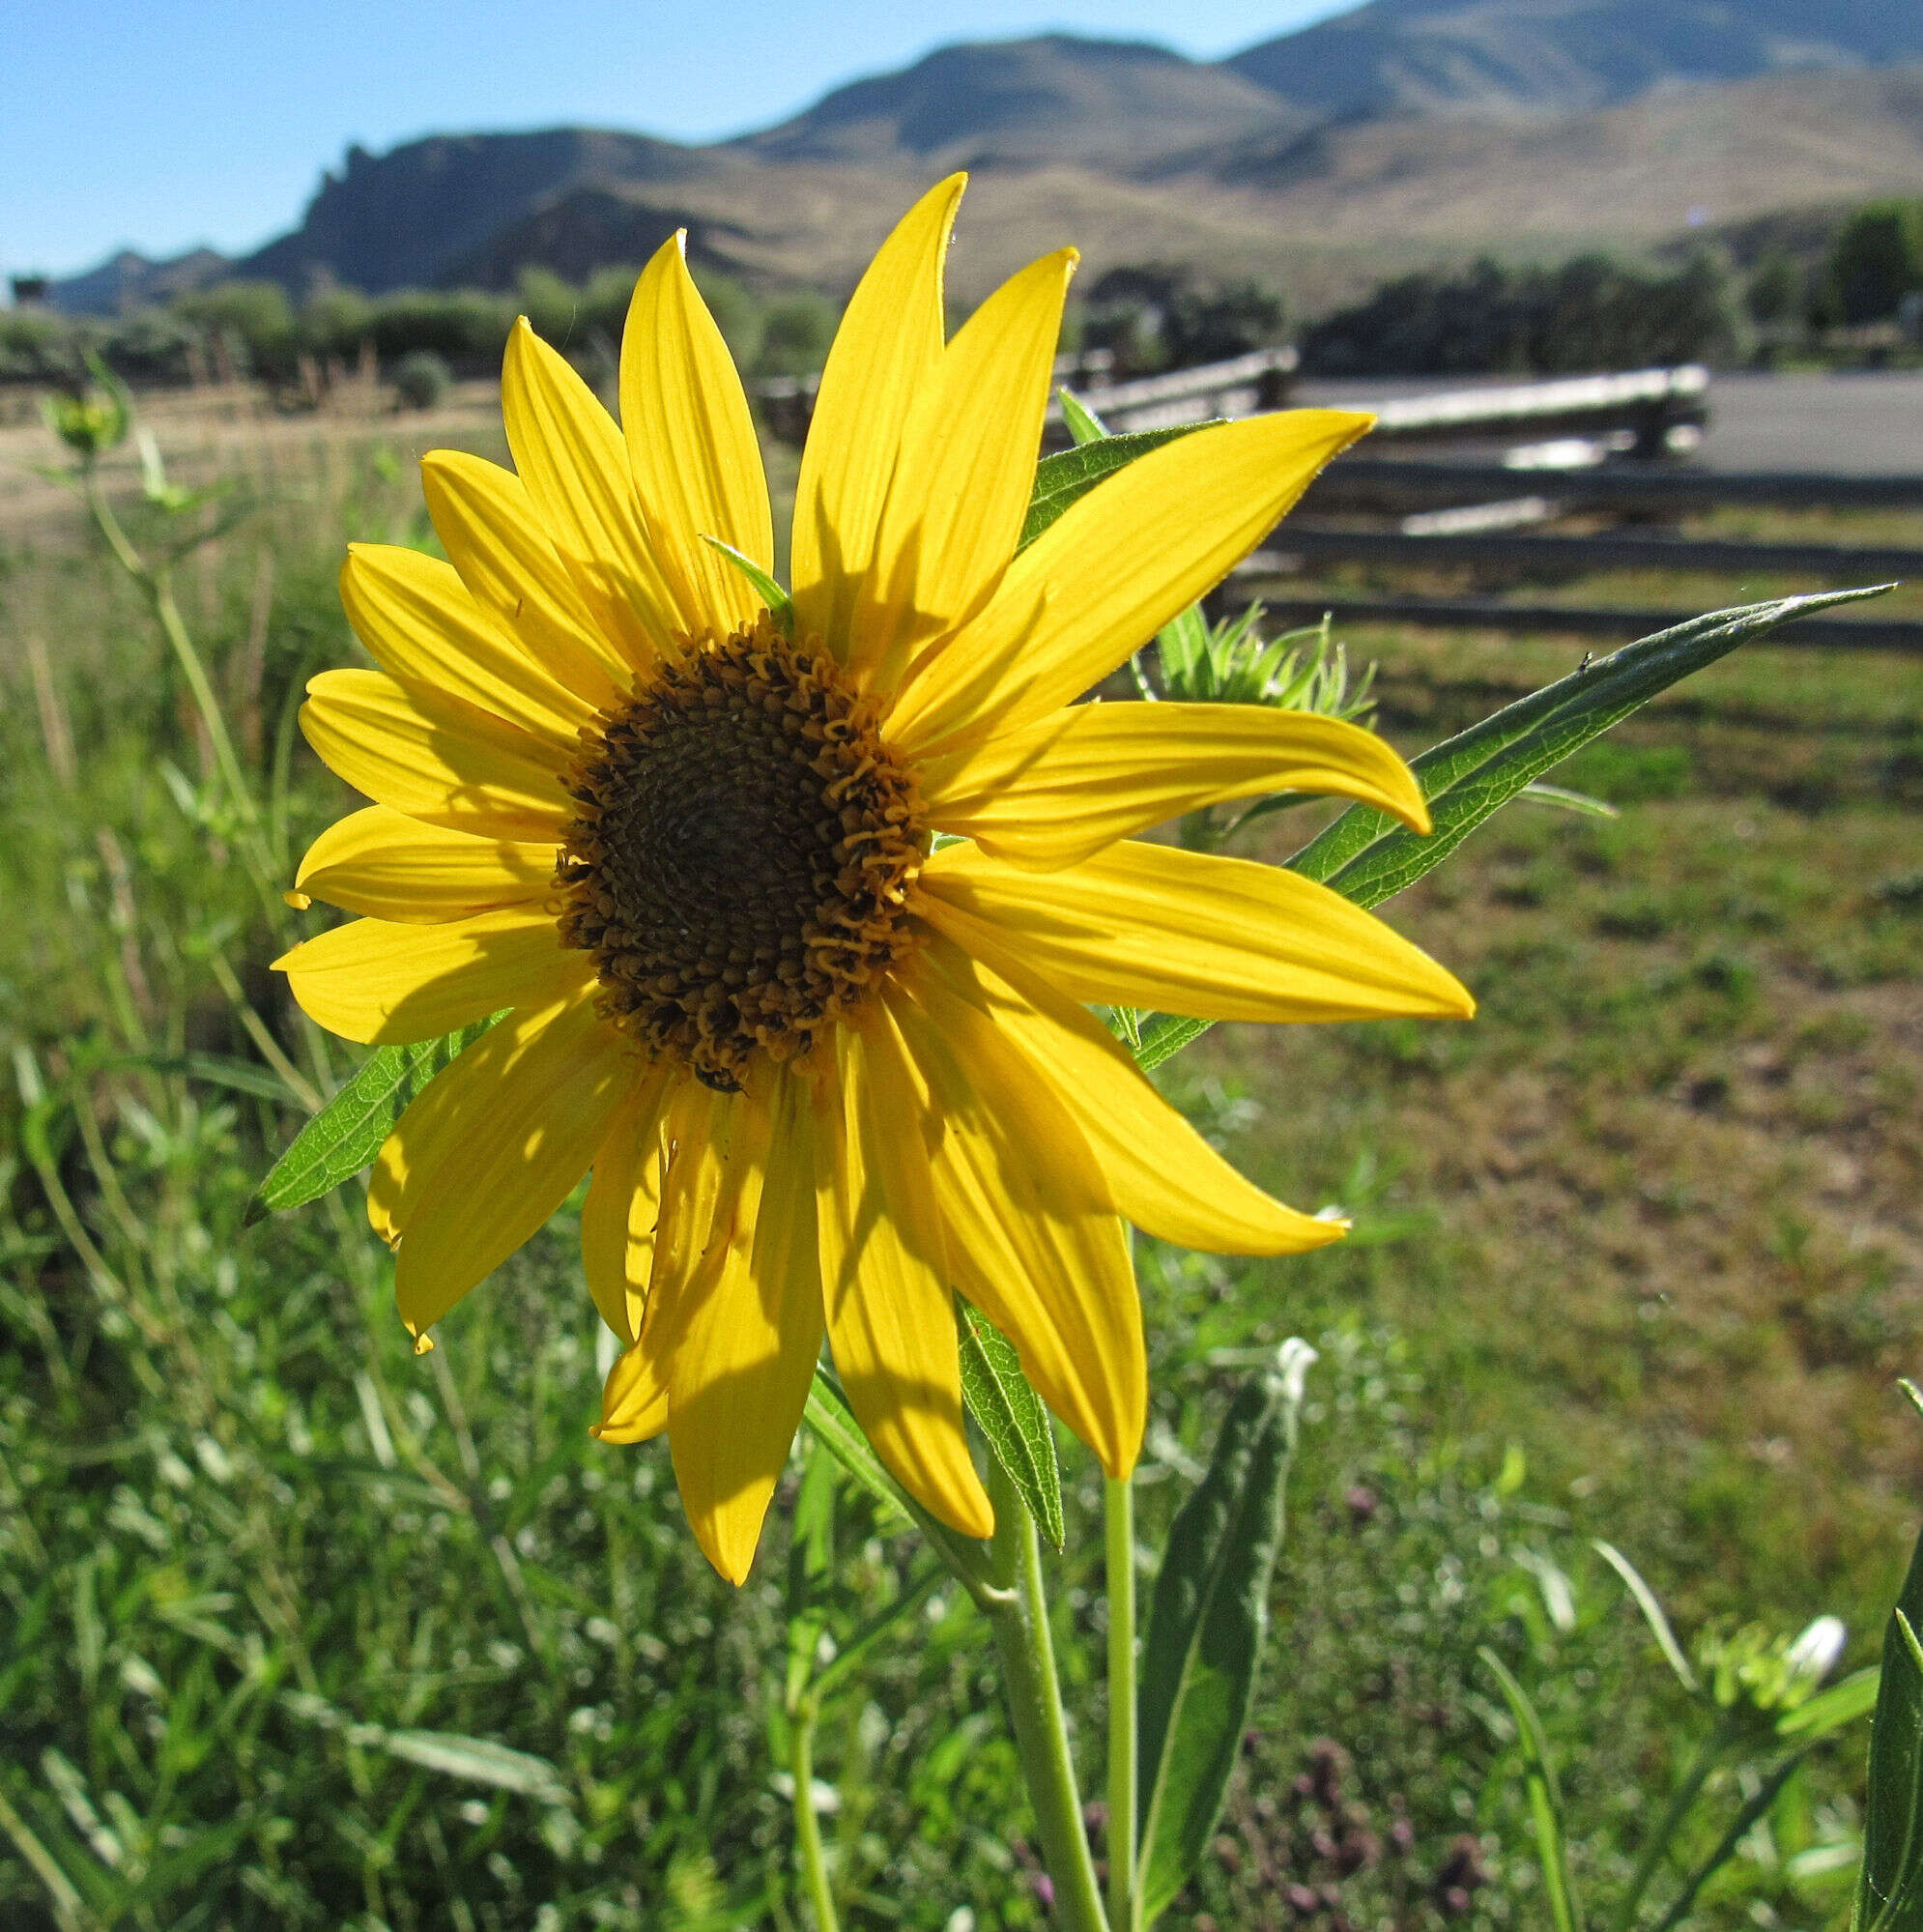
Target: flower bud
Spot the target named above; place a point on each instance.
(90, 421)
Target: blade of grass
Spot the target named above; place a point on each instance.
(1546, 1800)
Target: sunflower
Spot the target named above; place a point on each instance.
(827, 1067)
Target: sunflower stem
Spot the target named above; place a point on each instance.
(807, 1826)
(1020, 1627)
(1118, 1510)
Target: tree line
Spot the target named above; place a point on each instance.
(1593, 311)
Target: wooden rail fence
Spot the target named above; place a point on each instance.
(1511, 457)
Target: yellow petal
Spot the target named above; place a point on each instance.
(1031, 1238)
(423, 625)
(384, 984)
(696, 1127)
(623, 1201)
(482, 1157)
(483, 516)
(383, 863)
(891, 1313)
(690, 439)
(436, 758)
(963, 477)
(570, 455)
(889, 341)
(1112, 570)
(1221, 938)
(1063, 788)
(697, 1130)
(634, 1398)
(741, 1369)
(1159, 1172)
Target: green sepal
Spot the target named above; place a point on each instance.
(781, 606)
(1012, 1418)
(1084, 426)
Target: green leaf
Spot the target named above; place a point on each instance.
(477, 1760)
(1889, 1889)
(835, 1428)
(1564, 799)
(840, 1434)
(1546, 1800)
(1012, 1418)
(1840, 1704)
(781, 606)
(1207, 1625)
(1652, 1611)
(346, 1133)
(1061, 479)
(1367, 857)
(1164, 1035)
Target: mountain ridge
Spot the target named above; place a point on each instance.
(1463, 128)
(1534, 56)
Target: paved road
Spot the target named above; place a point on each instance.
(1855, 425)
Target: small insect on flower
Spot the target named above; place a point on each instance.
(682, 826)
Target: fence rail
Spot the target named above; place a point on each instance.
(1523, 455)
(1840, 563)
(1358, 482)
(1245, 386)
(1901, 635)
(1649, 403)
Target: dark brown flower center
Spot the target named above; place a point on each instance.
(739, 865)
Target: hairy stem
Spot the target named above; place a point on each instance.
(1020, 1627)
(807, 1826)
(1118, 1508)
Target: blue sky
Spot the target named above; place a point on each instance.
(128, 123)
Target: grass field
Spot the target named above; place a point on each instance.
(297, 1629)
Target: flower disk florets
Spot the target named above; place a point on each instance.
(740, 863)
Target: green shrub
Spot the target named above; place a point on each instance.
(795, 334)
(1877, 259)
(334, 321)
(421, 379)
(467, 327)
(256, 315)
(1592, 313)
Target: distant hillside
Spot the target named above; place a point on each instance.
(131, 280)
(1108, 104)
(410, 217)
(588, 228)
(1404, 133)
(1557, 56)
(1672, 159)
